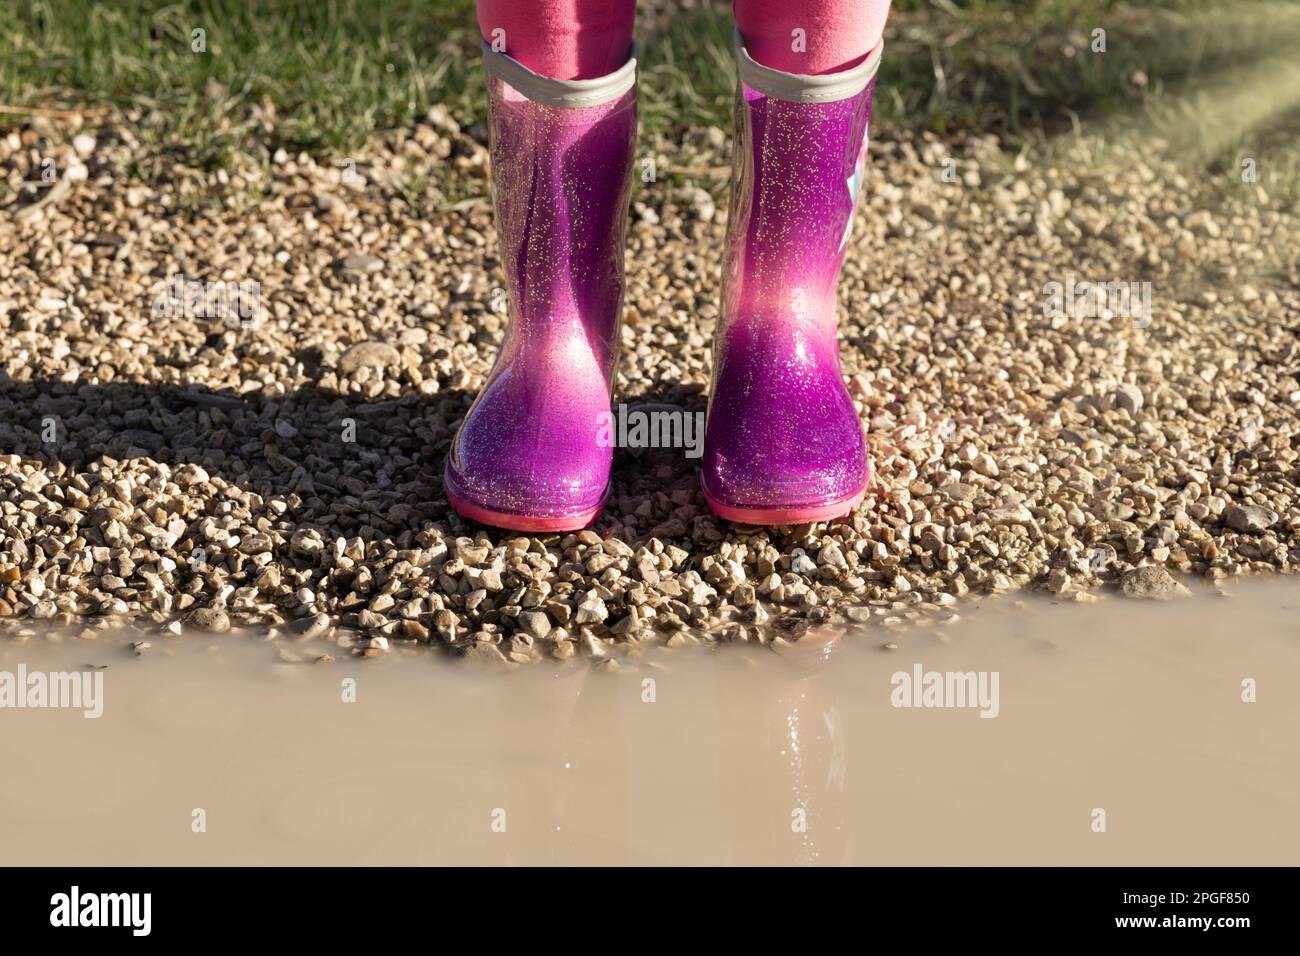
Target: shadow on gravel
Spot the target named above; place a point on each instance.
(339, 463)
(359, 464)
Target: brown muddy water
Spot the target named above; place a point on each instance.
(1118, 733)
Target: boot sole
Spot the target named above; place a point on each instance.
(517, 522)
(790, 514)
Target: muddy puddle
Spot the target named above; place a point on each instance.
(1029, 732)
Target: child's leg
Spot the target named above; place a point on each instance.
(563, 39)
(810, 36)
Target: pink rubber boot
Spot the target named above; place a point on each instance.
(529, 455)
(784, 444)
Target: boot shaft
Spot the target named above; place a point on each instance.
(783, 441)
(800, 147)
(562, 158)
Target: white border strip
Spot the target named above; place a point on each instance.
(562, 93)
(806, 88)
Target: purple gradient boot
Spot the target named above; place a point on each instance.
(784, 444)
(529, 455)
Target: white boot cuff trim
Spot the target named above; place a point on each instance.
(805, 88)
(561, 93)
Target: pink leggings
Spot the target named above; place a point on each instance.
(582, 39)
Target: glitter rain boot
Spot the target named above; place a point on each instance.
(529, 454)
(784, 444)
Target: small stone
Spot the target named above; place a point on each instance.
(593, 646)
(1250, 518)
(536, 623)
(831, 556)
(362, 262)
(210, 619)
(1129, 398)
(591, 611)
(308, 628)
(255, 544)
(43, 610)
(1202, 223)
(307, 542)
(800, 563)
(1152, 583)
(444, 625)
(487, 656)
(368, 355)
(1011, 514)
(369, 620)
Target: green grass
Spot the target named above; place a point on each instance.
(1011, 67)
(329, 75)
(302, 74)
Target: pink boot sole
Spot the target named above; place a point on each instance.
(805, 514)
(513, 522)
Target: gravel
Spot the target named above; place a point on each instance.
(282, 470)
